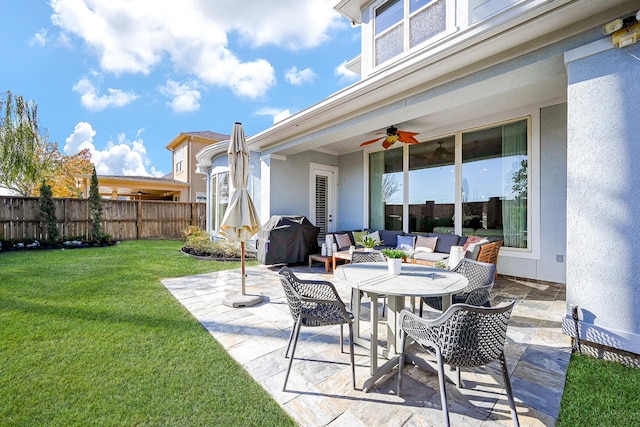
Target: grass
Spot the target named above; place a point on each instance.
(600, 393)
(91, 337)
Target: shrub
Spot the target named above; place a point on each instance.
(48, 213)
(198, 242)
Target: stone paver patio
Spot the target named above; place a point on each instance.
(319, 390)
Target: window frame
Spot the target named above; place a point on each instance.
(450, 19)
(533, 155)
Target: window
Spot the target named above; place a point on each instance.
(219, 197)
(179, 159)
(402, 24)
(386, 189)
(432, 184)
(493, 187)
(495, 182)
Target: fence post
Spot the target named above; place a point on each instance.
(139, 220)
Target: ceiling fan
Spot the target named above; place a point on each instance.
(394, 135)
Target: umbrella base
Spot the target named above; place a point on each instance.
(242, 300)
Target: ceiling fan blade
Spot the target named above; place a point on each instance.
(370, 142)
(386, 143)
(407, 137)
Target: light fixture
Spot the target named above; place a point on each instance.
(441, 152)
(612, 27)
(623, 31)
(626, 36)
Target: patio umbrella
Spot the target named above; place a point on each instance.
(240, 220)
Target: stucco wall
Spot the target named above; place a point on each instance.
(553, 194)
(290, 182)
(603, 201)
(352, 192)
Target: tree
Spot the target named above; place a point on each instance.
(63, 177)
(48, 213)
(26, 156)
(390, 186)
(95, 209)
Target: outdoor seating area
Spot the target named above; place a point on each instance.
(319, 390)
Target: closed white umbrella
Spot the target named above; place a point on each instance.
(240, 220)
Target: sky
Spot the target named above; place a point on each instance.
(125, 77)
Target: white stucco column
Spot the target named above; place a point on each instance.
(603, 199)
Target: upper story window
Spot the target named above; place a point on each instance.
(402, 24)
(179, 160)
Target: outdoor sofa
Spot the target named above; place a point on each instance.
(422, 248)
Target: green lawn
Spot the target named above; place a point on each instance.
(91, 337)
(600, 393)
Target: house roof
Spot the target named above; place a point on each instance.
(202, 136)
(144, 187)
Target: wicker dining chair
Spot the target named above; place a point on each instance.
(367, 256)
(481, 276)
(370, 256)
(464, 336)
(314, 303)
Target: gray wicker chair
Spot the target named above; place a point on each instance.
(314, 303)
(370, 256)
(481, 276)
(464, 336)
(367, 256)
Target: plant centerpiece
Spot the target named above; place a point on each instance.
(394, 259)
(369, 242)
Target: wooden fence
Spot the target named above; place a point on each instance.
(123, 220)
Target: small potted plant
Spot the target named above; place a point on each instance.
(394, 259)
(369, 242)
(442, 265)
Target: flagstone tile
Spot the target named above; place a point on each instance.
(319, 390)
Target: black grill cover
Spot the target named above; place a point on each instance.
(286, 239)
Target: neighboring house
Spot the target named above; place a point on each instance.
(116, 187)
(181, 185)
(527, 118)
(184, 148)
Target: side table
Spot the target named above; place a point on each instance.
(320, 258)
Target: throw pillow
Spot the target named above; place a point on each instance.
(358, 235)
(472, 247)
(343, 240)
(406, 243)
(426, 244)
(471, 240)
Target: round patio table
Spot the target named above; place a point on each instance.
(415, 280)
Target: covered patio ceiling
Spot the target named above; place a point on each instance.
(438, 110)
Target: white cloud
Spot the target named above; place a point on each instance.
(39, 38)
(90, 98)
(344, 73)
(122, 157)
(185, 96)
(268, 111)
(135, 36)
(298, 78)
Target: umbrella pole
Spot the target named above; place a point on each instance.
(242, 273)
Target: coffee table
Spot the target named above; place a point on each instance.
(341, 255)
